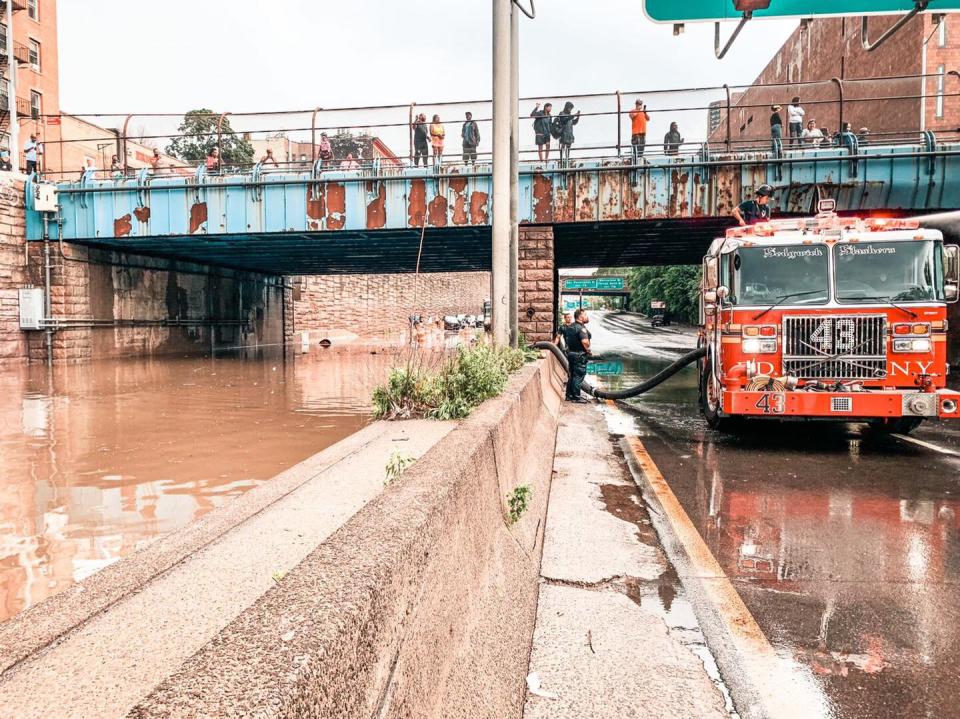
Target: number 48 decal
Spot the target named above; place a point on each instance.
(772, 403)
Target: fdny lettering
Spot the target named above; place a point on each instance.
(904, 368)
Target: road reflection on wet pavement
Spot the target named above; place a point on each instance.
(842, 544)
(98, 459)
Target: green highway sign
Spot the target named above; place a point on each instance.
(673, 11)
(605, 369)
(594, 283)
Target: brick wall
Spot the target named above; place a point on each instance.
(13, 275)
(125, 304)
(377, 307)
(831, 47)
(537, 284)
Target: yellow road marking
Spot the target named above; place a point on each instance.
(778, 686)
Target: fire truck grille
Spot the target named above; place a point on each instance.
(835, 347)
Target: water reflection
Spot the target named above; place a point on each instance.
(98, 459)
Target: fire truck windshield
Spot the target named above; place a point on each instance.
(766, 275)
(905, 271)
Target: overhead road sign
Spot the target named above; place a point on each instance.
(671, 11)
(594, 283)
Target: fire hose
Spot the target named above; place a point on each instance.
(645, 386)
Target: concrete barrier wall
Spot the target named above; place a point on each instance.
(422, 605)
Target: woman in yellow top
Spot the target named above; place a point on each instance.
(437, 134)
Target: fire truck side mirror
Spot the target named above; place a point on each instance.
(723, 292)
(951, 272)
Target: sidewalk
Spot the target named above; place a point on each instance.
(613, 638)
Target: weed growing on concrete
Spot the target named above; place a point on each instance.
(278, 576)
(473, 375)
(396, 466)
(518, 501)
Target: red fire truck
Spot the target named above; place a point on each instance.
(828, 317)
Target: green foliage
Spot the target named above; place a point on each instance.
(278, 576)
(677, 285)
(345, 143)
(518, 500)
(197, 135)
(396, 466)
(473, 375)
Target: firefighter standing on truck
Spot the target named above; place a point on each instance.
(750, 212)
(577, 337)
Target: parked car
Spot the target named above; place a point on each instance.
(450, 322)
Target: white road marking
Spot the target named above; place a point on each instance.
(926, 445)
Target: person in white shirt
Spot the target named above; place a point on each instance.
(31, 150)
(812, 135)
(795, 115)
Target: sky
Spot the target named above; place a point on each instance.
(248, 55)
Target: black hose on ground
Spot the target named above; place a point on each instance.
(645, 386)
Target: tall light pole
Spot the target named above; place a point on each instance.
(514, 171)
(502, 123)
(12, 92)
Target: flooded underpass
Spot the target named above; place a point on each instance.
(98, 459)
(843, 544)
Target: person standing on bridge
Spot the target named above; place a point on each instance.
(750, 212)
(578, 354)
(562, 129)
(421, 137)
(795, 115)
(437, 135)
(470, 135)
(31, 152)
(325, 149)
(213, 161)
(776, 124)
(672, 140)
(269, 159)
(639, 117)
(541, 130)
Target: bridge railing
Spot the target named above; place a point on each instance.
(711, 120)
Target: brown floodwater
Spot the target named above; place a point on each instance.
(97, 460)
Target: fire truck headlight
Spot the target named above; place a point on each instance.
(753, 345)
(917, 345)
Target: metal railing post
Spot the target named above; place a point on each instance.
(726, 89)
(123, 142)
(619, 123)
(839, 83)
(313, 135)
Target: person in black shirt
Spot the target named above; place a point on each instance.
(776, 123)
(421, 140)
(750, 212)
(578, 354)
(560, 336)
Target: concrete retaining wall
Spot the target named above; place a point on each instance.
(422, 605)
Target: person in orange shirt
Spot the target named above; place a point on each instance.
(638, 129)
(437, 134)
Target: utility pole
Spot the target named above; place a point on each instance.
(12, 92)
(514, 172)
(501, 269)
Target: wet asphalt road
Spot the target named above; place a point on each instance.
(842, 544)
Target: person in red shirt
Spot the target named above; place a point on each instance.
(638, 129)
(213, 161)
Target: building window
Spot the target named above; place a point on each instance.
(4, 94)
(36, 105)
(942, 33)
(35, 55)
(3, 38)
(32, 10)
(940, 78)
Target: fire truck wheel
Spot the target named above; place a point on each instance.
(901, 425)
(710, 407)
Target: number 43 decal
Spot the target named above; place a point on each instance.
(772, 403)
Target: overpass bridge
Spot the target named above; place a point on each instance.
(604, 211)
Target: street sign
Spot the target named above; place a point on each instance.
(594, 283)
(605, 369)
(672, 11)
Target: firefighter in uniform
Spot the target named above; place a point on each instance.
(577, 337)
(750, 212)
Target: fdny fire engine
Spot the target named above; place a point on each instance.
(828, 317)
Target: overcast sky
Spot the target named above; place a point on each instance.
(243, 55)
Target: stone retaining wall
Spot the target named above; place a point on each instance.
(422, 605)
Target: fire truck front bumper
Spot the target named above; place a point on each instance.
(942, 403)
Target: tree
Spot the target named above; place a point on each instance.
(677, 285)
(197, 135)
(345, 143)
